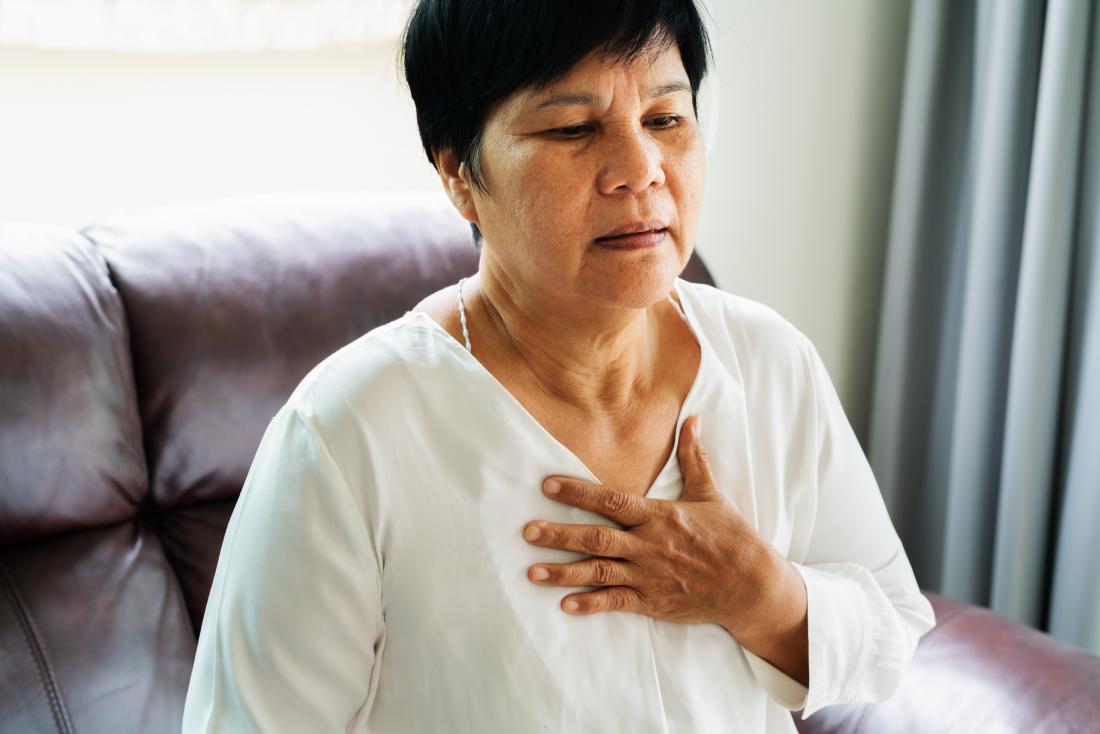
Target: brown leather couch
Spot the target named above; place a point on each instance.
(141, 358)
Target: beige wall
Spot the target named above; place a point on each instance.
(797, 185)
(84, 133)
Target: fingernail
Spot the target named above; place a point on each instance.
(570, 606)
(551, 486)
(532, 532)
(695, 431)
(540, 573)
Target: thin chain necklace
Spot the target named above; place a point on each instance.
(462, 315)
(466, 333)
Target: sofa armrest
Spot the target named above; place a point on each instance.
(978, 671)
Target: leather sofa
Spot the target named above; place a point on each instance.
(140, 359)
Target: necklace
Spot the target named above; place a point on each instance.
(466, 333)
(462, 315)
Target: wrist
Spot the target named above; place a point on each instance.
(780, 607)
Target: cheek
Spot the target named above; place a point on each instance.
(554, 194)
(539, 209)
(688, 175)
(685, 181)
(514, 193)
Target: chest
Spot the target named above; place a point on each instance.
(626, 447)
(626, 452)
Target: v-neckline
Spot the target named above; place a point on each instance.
(671, 463)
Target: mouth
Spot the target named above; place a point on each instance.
(634, 240)
(635, 236)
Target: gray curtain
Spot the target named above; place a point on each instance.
(985, 414)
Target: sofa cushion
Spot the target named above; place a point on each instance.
(94, 634)
(978, 671)
(70, 439)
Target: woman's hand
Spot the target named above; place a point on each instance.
(695, 559)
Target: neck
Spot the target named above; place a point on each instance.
(596, 360)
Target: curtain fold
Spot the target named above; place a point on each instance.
(984, 426)
(1075, 597)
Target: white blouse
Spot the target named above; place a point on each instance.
(373, 576)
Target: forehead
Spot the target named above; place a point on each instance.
(594, 79)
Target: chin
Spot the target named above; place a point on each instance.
(638, 287)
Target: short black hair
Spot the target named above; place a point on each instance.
(461, 57)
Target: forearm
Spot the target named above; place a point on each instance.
(781, 633)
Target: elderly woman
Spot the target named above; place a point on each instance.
(572, 492)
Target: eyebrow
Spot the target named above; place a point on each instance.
(589, 99)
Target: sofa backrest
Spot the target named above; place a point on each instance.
(94, 631)
(140, 360)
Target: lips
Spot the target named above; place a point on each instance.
(635, 227)
(634, 240)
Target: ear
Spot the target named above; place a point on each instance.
(455, 178)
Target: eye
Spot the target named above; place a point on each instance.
(667, 121)
(572, 132)
(575, 132)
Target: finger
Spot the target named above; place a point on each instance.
(596, 540)
(589, 572)
(624, 508)
(694, 462)
(611, 599)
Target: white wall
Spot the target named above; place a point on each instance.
(798, 182)
(85, 133)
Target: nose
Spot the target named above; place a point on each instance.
(634, 162)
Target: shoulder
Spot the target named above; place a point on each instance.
(368, 375)
(776, 364)
(751, 334)
(440, 306)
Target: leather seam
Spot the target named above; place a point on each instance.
(38, 653)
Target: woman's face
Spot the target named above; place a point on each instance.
(607, 145)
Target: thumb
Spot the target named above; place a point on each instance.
(694, 463)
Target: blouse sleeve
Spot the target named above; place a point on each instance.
(865, 612)
(293, 622)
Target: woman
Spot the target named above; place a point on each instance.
(381, 571)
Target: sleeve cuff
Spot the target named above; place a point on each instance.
(860, 640)
(838, 645)
(783, 689)
(837, 632)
